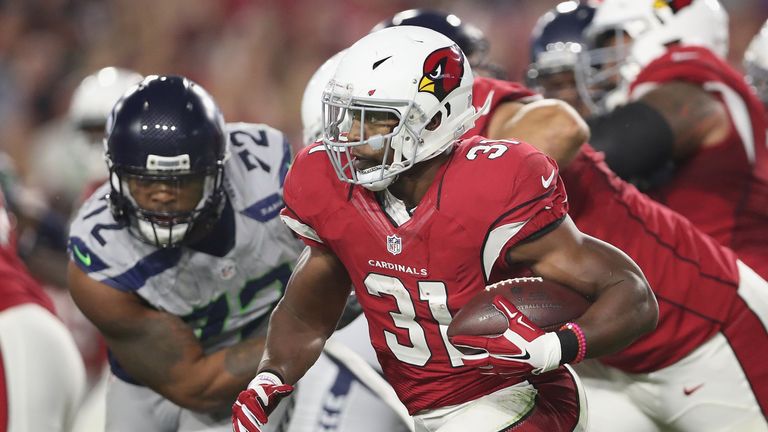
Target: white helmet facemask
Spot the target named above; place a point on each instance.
(756, 63)
(409, 75)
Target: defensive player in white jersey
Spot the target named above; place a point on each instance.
(180, 256)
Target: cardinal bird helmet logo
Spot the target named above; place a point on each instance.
(443, 70)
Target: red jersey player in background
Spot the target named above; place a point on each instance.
(42, 378)
(702, 368)
(418, 240)
(677, 120)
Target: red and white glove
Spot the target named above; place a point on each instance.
(522, 349)
(253, 405)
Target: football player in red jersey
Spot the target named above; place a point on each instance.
(342, 393)
(42, 377)
(711, 306)
(418, 239)
(702, 368)
(678, 121)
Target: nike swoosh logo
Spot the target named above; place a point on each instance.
(375, 65)
(520, 321)
(524, 356)
(84, 258)
(548, 181)
(689, 391)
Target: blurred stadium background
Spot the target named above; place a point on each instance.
(254, 56)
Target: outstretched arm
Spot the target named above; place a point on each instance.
(161, 351)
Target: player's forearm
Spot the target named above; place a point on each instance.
(624, 306)
(162, 352)
(293, 345)
(636, 139)
(307, 315)
(206, 383)
(224, 374)
(624, 310)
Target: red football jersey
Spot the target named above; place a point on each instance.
(16, 285)
(694, 278)
(722, 189)
(412, 277)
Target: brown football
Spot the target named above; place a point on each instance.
(548, 304)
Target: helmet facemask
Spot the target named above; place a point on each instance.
(341, 113)
(603, 74)
(194, 205)
(756, 64)
(757, 77)
(643, 30)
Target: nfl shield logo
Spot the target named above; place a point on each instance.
(394, 244)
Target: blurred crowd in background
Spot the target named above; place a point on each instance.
(254, 56)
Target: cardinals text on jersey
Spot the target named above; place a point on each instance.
(412, 272)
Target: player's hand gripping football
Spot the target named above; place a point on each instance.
(253, 405)
(522, 349)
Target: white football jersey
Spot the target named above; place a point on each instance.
(228, 286)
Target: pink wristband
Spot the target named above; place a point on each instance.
(582, 352)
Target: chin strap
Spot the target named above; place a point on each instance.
(379, 184)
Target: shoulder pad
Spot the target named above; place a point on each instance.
(98, 244)
(256, 169)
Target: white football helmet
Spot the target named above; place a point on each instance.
(312, 101)
(651, 25)
(97, 93)
(413, 73)
(756, 63)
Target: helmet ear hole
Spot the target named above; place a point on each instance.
(435, 122)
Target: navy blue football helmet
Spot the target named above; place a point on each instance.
(469, 38)
(556, 49)
(558, 38)
(165, 150)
